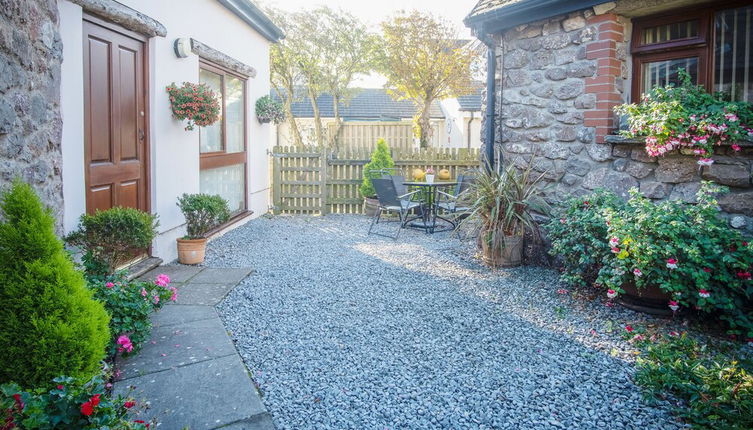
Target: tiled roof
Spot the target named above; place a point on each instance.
(367, 104)
(472, 101)
(484, 6)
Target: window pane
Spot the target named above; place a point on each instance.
(734, 53)
(235, 114)
(670, 32)
(211, 137)
(228, 182)
(663, 73)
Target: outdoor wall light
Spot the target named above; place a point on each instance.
(182, 47)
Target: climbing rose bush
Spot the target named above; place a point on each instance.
(195, 103)
(686, 250)
(686, 116)
(129, 304)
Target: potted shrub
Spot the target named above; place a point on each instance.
(380, 159)
(113, 237)
(503, 201)
(689, 118)
(203, 212)
(269, 110)
(674, 255)
(195, 103)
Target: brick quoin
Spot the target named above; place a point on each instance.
(603, 85)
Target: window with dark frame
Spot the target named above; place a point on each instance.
(714, 45)
(223, 144)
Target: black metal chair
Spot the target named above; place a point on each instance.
(391, 201)
(454, 203)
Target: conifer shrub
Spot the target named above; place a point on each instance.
(49, 323)
(380, 159)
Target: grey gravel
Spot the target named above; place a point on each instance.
(344, 330)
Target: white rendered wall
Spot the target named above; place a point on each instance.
(174, 152)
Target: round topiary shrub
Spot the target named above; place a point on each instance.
(49, 323)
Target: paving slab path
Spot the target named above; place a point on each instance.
(189, 370)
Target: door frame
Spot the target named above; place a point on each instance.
(146, 162)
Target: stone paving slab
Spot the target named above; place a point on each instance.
(221, 276)
(175, 315)
(173, 346)
(202, 294)
(206, 395)
(178, 273)
(258, 422)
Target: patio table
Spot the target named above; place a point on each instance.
(430, 215)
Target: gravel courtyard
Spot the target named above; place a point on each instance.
(347, 331)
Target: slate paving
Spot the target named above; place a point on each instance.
(189, 371)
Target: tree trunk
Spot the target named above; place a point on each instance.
(424, 124)
(317, 117)
(335, 138)
(297, 139)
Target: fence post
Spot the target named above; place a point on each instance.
(276, 181)
(323, 180)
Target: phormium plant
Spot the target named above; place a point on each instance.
(686, 116)
(195, 103)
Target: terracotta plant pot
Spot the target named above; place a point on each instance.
(191, 251)
(370, 206)
(509, 256)
(651, 300)
(444, 175)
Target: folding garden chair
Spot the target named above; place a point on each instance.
(454, 203)
(391, 201)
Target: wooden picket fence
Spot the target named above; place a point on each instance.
(319, 181)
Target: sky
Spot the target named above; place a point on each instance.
(372, 12)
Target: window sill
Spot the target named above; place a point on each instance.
(622, 140)
(229, 223)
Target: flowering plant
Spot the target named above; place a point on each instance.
(685, 250)
(196, 103)
(577, 231)
(269, 110)
(686, 116)
(70, 404)
(129, 304)
(429, 171)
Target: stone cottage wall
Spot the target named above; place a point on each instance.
(558, 83)
(30, 121)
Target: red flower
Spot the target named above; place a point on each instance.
(743, 275)
(629, 328)
(60, 387)
(19, 403)
(95, 399)
(586, 203)
(707, 269)
(87, 408)
(129, 404)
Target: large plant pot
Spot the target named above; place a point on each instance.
(511, 255)
(191, 251)
(370, 206)
(651, 299)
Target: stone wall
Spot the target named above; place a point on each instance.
(558, 82)
(30, 121)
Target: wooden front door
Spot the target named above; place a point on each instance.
(115, 135)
